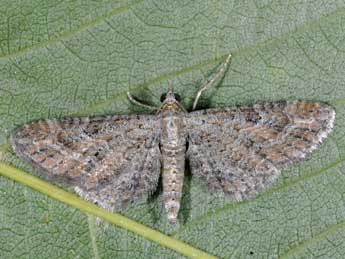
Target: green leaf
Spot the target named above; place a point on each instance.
(115, 218)
(80, 57)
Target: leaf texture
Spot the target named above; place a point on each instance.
(79, 58)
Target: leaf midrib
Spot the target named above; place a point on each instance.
(174, 73)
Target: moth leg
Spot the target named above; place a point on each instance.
(211, 82)
(132, 99)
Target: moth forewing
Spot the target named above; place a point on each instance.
(116, 160)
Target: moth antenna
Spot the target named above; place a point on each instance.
(133, 100)
(211, 82)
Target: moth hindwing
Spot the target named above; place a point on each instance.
(116, 160)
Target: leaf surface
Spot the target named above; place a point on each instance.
(63, 58)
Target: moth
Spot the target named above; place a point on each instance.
(116, 160)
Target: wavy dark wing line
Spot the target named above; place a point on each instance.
(240, 149)
(110, 160)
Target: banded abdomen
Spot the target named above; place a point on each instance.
(173, 148)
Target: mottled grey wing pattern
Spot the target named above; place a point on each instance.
(240, 150)
(111, 160)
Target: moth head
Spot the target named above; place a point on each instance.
(170, 96)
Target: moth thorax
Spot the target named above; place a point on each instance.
(172, 106)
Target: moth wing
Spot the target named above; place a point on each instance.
(111, 161)
(240, 150)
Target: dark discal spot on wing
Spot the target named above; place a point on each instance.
(97, 154)
(240, 149)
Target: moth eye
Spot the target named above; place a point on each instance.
(163, 97)
(177, 97)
